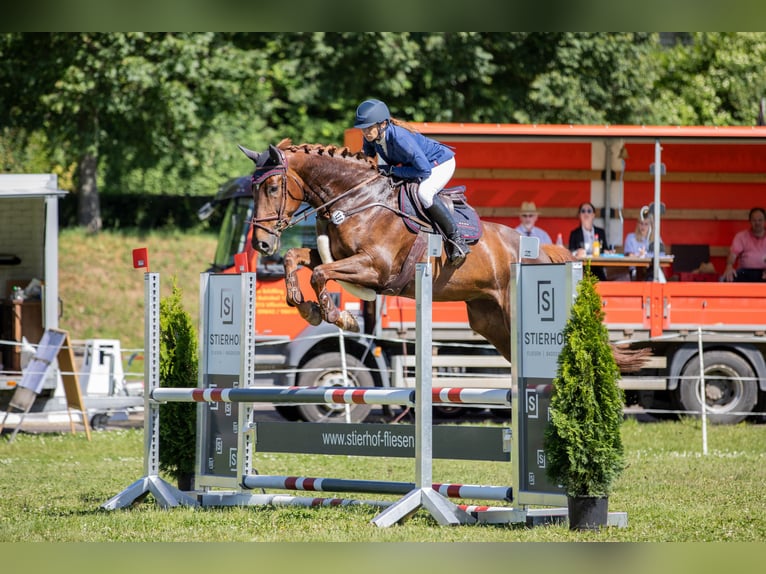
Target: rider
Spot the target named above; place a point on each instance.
(410, 155)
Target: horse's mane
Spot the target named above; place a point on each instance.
(327, 150)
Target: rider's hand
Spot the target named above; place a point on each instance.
(385, 169)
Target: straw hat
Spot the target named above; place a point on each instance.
(528, 207)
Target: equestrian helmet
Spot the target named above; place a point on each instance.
(371, 112)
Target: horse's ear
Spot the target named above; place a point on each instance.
(275, 155)
(253, 155)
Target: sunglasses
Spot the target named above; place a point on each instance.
(527, 215)
(586, 211)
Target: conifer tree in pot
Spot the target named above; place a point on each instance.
(583, 443)
(178, 368)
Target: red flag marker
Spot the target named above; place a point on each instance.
(141, 258)
(241, 262)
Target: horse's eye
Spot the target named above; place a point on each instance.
(272, 189)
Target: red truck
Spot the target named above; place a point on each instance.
(704, 179)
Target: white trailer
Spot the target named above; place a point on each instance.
(29, 234)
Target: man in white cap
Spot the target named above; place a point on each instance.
(528, 215)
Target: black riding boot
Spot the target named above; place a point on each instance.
(456, 246)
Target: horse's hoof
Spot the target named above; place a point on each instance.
(347, 322)
(313, 315)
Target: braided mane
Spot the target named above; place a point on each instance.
(329, 150)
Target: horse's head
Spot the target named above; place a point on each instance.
(274, 204)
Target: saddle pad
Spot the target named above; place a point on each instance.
(466, 218)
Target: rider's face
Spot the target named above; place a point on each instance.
(373, 132)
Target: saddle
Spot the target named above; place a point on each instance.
(466, 218)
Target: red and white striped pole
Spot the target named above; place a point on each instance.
(331, 395)
(450, 490)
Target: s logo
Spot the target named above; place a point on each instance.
(227, 306)
(545, 301)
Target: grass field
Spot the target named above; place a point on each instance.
(102, 295)
(52, 487)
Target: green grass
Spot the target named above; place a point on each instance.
(102, 295)
(52, 487)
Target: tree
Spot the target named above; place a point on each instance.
(711, 79)
(132, 97)
(588, 78)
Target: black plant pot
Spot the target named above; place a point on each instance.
(185, 481)
(587, 512)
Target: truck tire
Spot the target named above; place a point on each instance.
(325, 371)
(291, 414)
(730, 388)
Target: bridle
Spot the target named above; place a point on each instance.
(281, 169)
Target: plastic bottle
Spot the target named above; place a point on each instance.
(596, 246)
(18, 294)
(559, 240)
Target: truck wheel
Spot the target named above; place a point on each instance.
(325, 371)
(729, 387)
(99, 421)
(289, 413)
(448, 412)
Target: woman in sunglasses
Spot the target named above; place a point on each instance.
(581, 238)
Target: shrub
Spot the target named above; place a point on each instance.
(583, 444)
(178, 368)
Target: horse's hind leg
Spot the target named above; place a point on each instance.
(492, 322)
(309, 310)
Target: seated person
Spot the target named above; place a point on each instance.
(581, 237)
(528, 215)
(640, 243)
(749, 247)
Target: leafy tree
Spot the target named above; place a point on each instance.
(131, 97)
(589, 78)
(711, 79)
(163, 113)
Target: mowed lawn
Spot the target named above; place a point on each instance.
(53, 485)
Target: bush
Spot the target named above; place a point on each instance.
(178, 368)
(583, 444)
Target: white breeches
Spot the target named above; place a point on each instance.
(440, 176)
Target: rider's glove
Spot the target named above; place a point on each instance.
(385, 169)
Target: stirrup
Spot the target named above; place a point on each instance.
(457, 251)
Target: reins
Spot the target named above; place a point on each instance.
(284, 223)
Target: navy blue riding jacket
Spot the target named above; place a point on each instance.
(410, 153)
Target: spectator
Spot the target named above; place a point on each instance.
(581, 237)
(640, 243)
(749, 247)
(528, 215)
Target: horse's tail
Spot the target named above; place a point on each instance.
(630, 360)
(557, 253)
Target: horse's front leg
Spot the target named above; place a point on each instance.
(357, 270)
(294, 258)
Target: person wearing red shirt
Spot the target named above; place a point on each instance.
(749, 247)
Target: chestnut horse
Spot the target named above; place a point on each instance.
(369, 243)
